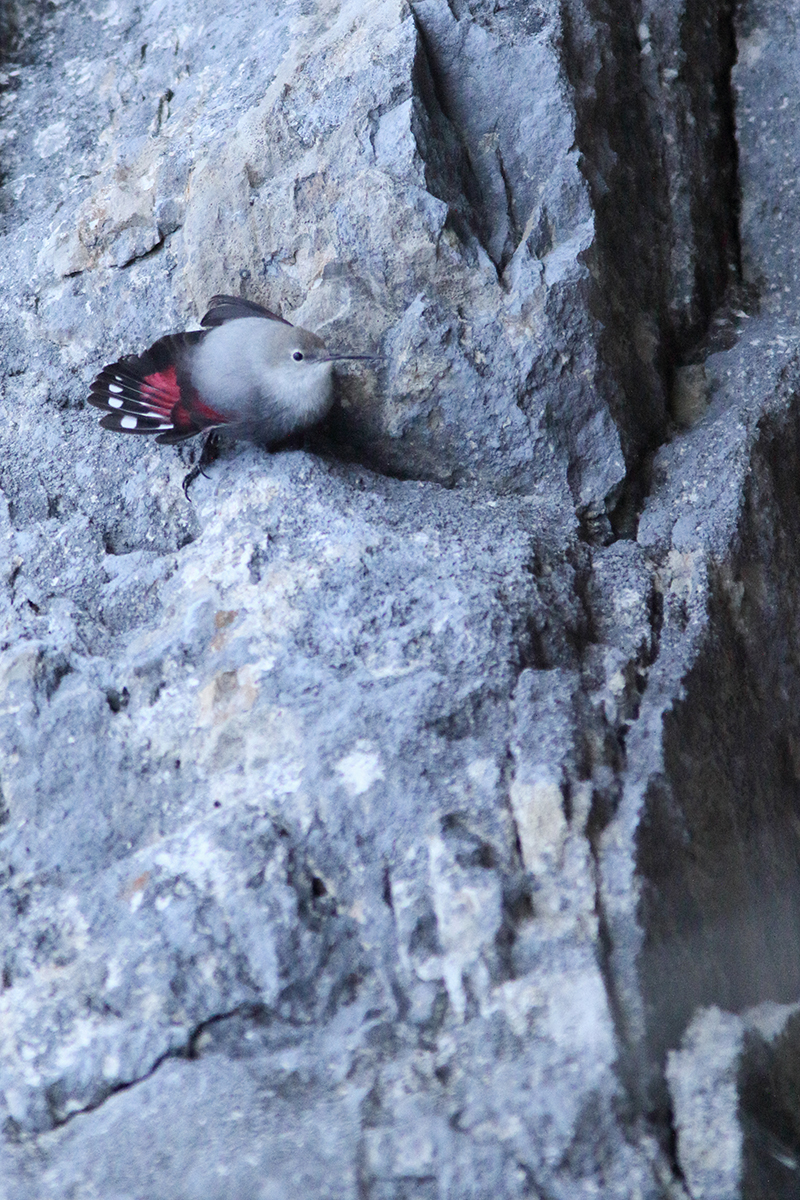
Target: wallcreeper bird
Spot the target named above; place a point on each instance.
(248, 371)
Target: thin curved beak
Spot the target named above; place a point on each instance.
(352, 358)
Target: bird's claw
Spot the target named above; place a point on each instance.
(208, 455)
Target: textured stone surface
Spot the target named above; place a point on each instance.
(413, 813)
(703, 1081)
(767, 112)
(734, 1088)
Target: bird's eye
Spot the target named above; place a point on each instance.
(298, 356)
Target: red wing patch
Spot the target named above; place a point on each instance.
(152, 402)
(161, 392)
(190, 413)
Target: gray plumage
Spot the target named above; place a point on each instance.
(266, 378)
(248, 371)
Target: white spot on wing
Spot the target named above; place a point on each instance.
(114, 387)
(129, 423)
(114, 401)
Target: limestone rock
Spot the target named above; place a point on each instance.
(413, 813)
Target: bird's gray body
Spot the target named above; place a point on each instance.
(248, 370)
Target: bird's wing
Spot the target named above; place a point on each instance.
(233, 308)
(152, 393)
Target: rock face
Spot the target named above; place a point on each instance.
(734, 1085)
(413, 814)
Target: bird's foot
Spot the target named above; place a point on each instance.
(208, 455)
